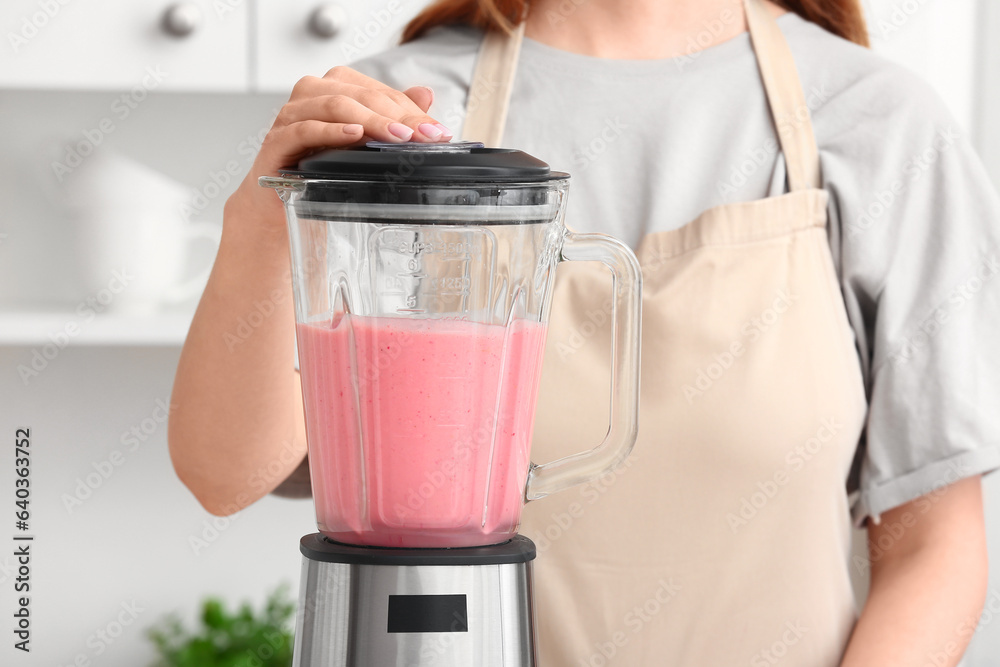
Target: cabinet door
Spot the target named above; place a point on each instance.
(121, 44)
(300, 37)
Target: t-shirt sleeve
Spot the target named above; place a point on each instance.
(915, 227)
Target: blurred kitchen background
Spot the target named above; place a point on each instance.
(124, 126)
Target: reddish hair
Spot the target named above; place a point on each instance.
(841, 17)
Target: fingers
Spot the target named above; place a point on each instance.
(422, 96)
(350, 75)
(344, 80)
(343, 108)
(285, 145)
(388, 102)
(382, 119)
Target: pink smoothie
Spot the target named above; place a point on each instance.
(419, 430)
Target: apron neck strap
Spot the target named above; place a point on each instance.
(789, 110)
(493, 79)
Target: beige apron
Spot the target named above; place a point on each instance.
(724, 539)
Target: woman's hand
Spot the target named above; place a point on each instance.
(236, 423)
(343, 108)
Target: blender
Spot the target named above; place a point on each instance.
(423, 275)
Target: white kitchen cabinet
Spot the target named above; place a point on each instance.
(123, 44)
(295, 38)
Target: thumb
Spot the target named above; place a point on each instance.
(422, 96)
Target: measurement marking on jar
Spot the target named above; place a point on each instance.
(425, 294)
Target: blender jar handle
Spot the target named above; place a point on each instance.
(549, 478)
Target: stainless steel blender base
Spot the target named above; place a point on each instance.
(376, 607)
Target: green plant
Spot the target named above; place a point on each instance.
(243, 638)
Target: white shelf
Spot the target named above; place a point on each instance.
(73, 330)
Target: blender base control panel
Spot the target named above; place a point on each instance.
(427, 613)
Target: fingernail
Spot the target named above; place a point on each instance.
(353, 128)
(430, 131)
(444, 130)
(401, 131)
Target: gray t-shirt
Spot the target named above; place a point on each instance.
(914, 221)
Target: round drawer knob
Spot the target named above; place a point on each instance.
(327, 20)
(181, 19)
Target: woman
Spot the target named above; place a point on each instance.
(817, 256)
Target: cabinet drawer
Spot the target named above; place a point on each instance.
(120, 44)
(296, 38)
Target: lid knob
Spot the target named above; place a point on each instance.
(423, 147)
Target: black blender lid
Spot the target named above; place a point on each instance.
(415, 162)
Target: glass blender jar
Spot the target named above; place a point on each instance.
(423, 275)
